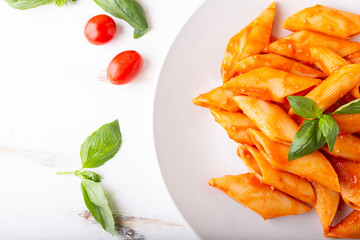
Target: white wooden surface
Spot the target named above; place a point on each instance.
(53, 94)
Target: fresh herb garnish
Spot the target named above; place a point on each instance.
(349, 108)
(101, 146)
(96, 150)
(318, 129)
(307, 140)
(330, 129)
(128, 10)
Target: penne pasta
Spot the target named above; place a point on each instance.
(313, 167)
(354, 57)
(285, 182)
(327, 60)
(326, 20)
(349, 123)
(235, 125)
(259, 197)
(250, 40)
(278, 62)
(298, 44)
(270, 118)
(356, 91)
(335, 86)
(347, 146)
(219, 98)
(348, 173)
(270, 84)
(327, 202)
(349, 227)
(259, 73)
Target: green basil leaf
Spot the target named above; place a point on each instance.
(349, 108)
(27, 4)
(97, 204)
(330, 130)
(304, 107)
(307, 140)
(101, 146)
(130, 11)
(90, 176)
(60, 3)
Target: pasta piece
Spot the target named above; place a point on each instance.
(349, 123)
(218, 98)
(354, 57)
(346, 146)
(270, 84)
(288, 183)
(349, 175)
(335, 86)
(259, 197)
(235, 125)
(326, 20)
(327, 202)
(250, 40)
(278, 62)
(327, 60)
(270, 118)
(298, 44)
(314, 167)
(356, 91)
(349, 227)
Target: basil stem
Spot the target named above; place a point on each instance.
(63, 173)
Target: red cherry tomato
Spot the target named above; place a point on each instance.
(124, 67)
(100, 29)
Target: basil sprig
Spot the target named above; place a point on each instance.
(128, 10)
(318, 129)
(96, 150)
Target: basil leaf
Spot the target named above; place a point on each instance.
(330, 130)
(97, 204)
(304, 107)
(349, 108)
(27, 4)
(307, 140)
(101, 146)
(60, 3)
(130, 11)
(91, 176)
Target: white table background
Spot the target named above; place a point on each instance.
(53, 94)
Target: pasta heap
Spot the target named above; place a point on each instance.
(316, 61)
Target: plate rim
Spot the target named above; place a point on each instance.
(154, 99)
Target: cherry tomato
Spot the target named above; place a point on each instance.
(124, 67)
(100, 29)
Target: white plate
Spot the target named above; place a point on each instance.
(192, 148)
